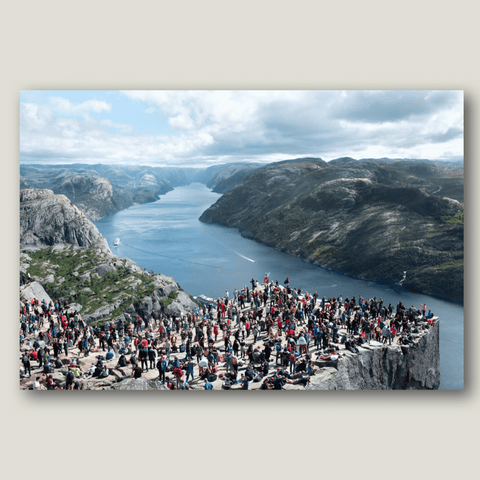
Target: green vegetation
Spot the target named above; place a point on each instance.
(322, 251)
(119, 286)
(170, 298)
(457, 219)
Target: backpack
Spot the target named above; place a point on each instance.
(70, 376)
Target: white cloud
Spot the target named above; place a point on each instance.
(65, 106)
(212, 126)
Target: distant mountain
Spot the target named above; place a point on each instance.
(373, 219)
(223, 178)
(101, 190)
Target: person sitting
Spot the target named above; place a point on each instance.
(301, 366)
(266, 385)
(51, 385)
(350, 346)
(104, 373)
(278, 382)
(122, 361)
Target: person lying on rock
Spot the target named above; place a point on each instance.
(333, 356)
(302, 381)
(266, 385)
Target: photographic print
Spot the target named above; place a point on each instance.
(241, 240)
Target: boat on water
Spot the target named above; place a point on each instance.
(116, 242)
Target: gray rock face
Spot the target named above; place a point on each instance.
(48, 219)
(138, 384)
(368, 219)
(182, 304)
(34, 290)
(103, 269)
(386, 367)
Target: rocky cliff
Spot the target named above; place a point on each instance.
(101, 190)
(48, 219)
(64, 252)
(95, 195)
(370, 219)
(381, 367)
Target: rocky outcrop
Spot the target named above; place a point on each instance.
(48, 219)
(107, 288)
(81, 269)
(34, 290)
(100, 190)
(138, 384)
(382, 367)
(371, 219)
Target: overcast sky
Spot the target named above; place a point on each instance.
(203, 128)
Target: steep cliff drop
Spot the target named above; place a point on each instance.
(382, 367)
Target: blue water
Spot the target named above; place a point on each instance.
(167, 237)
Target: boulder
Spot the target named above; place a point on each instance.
(85, 277)
(104, 268)
(34, 290)
(144, 307)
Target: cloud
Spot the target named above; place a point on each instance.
(66, 107)
(208, 127)
(391, 106)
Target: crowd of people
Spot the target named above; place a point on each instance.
(263, 336)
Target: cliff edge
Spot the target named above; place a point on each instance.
(382, 367)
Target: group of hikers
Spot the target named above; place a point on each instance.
(268, 335)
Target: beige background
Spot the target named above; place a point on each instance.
(235, 45)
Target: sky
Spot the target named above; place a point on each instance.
(204, 128)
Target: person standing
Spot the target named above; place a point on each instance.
(190, 372)
(26, 365)
(162, 368)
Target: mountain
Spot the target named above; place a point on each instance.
(96, 195)
(222, 178)
(48, 219)
(101, 190)
(63, 251)
(373, 219)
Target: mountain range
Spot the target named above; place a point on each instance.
(372, 218)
